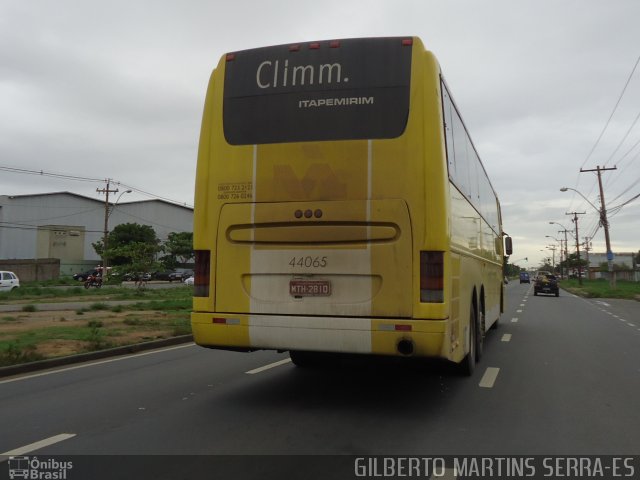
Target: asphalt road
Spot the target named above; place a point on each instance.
(558, 376)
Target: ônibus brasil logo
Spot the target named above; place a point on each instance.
(34, 469)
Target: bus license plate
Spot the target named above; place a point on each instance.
(310, 288)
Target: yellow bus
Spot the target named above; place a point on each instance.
(341, 207)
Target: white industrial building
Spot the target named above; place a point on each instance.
(64, 225)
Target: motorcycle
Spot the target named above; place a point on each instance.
(93, 281)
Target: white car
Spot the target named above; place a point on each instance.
(8, 281)
(189, 281)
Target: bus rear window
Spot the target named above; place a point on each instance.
(330, 90)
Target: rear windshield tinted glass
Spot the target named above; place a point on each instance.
(341, 90)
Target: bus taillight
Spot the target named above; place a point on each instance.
(432, 277)
(201, 277)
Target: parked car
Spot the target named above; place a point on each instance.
(524, 277)
(82, 277)
(181, 275)
(134, 277)
(175, 277)
(189, 280)
(8, 281)
(164, 275)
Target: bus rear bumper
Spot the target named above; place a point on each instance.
(399, 337)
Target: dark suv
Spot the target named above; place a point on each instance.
(524, 277)
(546, 283)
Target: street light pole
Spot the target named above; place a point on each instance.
(554, 252)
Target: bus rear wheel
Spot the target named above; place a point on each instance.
(305, 359)
(468, 364)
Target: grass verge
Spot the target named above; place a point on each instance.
(601, 289)
(32, 334)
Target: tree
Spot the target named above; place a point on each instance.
(178, 249)
(128, 235)
(511, 270)
(571, 263)
(141, 257)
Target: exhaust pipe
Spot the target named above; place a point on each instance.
(405, 347)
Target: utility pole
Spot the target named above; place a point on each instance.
(586, 249)
(106, 224)
(605, 223)
(566, 251)
(575, 220)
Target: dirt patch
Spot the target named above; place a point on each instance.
(60, 348)
(60, 333)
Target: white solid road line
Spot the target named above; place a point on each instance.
(37, 445)
(489, 377)
(85, 365)
(267, 367)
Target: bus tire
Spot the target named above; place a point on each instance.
(468, 364)
(480, 331)
(304, 359)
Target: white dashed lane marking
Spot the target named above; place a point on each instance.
(489, 377)
(267, 367)
(36, 445)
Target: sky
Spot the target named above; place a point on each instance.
(96, 90)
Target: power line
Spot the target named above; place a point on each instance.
(633, 124)
(89, 179)
(42, 173)
(26, 226)
(624, 89)
(612, 112)
(137, 190)
(622, 165)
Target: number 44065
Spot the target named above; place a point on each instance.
(308, 262)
